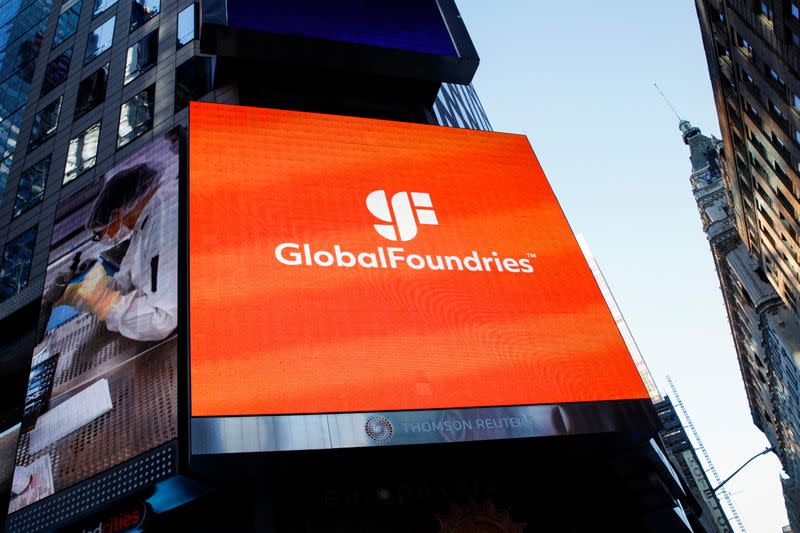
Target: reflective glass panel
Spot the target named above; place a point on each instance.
(92, 91)
(56, 71)
(9, 131)
(16, 265)
(100, 6)
(136, 116)
(100, 39)
(186, 25)
(45, 123)
(141, 56)
(31, 186)
(82, 153)
(142, 11)
(67, 21)
(192, 80)
(5, 168)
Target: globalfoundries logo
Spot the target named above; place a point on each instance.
(407, 210)
(403, 225)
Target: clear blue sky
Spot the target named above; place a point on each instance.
(577, 79)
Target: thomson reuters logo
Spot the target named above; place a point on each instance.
(378, 428)
(406, 210)
(402, 225)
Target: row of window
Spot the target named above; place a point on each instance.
(141, 12)
(22, 26)
(100, 38)
(193, 78)
(764, 7)
(136, 117)
(141, 56)
(774, 110)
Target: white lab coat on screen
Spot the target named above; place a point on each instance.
(148, 276)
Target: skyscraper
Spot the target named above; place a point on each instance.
(765, 332)
(753, 49)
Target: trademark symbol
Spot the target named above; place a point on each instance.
(532, 256)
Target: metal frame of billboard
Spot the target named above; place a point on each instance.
(219, 38)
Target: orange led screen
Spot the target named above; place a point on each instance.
(345, 265)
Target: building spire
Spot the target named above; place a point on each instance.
(687, 130)
(680, 120)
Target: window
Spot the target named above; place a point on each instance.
(56, 71)
(31, 186)
(82, 153)
(777, 112)
(766, 10)
(136, 116)
(752, 112)
(186, 25)
(192, 80)
(795, 10)
(792, 37)
(67, 21)
(796, 101)
(100, 6)
(775, 77)
(743, 43)
(141, 56)
(16, 265)
(5, 168)
(100, 39)
(142, 11)
(778, 143)
(91, 91)
(45, 123)
(757, 144)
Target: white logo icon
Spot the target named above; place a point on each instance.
(402, 223)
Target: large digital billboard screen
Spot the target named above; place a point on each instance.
(103, 379)
(411, 39)
(358, 282)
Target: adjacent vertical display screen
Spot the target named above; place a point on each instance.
(358, 282)
(411, 25)
(103, 379)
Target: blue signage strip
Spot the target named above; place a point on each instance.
(411, 25)
(420, 40)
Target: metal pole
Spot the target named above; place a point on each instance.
(759, 454)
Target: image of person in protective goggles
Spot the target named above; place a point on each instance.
(140, 301)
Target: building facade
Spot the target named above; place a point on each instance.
(753, 53)
(84, 85)
(765, 332)
(87, 85)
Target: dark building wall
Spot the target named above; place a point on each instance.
(178, 72)
(753, 53)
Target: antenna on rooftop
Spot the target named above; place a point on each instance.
(668, 102)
